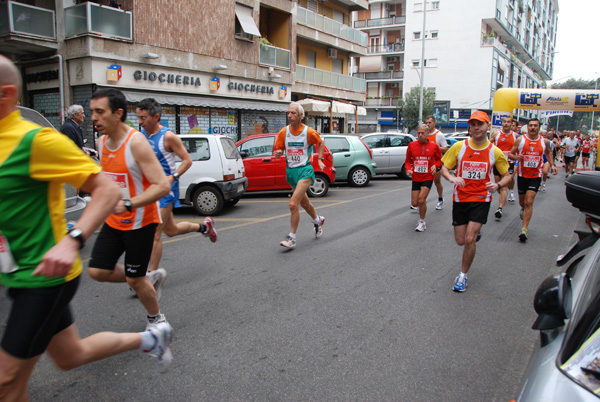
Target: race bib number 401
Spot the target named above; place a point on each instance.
(474, 170)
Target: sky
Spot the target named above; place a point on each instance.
(576, 39)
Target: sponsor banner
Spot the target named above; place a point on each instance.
(559, 99)
(553, 113)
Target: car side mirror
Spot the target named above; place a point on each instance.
(553, 302)
(244, 154)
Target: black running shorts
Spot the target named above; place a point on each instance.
(465, 212)
(416, 185)
(525, 184)
(36, 315)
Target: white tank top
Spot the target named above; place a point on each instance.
(297, 149)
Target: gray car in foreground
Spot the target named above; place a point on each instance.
(566, 365)
(352, 159)
(389, 151)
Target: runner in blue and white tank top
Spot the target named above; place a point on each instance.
(166, 146)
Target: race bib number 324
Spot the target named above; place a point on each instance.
(474, 170)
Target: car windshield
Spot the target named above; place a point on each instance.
(581, 346)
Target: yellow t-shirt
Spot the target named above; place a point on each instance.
(450, 157)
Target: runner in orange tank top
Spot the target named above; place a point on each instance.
(505, 139)
(436, 136)
(128, 159)
(528, 150)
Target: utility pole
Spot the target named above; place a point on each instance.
(422, 62)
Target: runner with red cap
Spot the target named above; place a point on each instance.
(473, 159)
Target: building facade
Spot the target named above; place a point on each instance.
(217, 66)
(472, 48)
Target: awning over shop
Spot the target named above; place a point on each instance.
(201, 101)
(370, 64)
(244, 16)
(321, 108)
(345, 108)
(312, 105)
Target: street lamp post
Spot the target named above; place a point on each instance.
(595, 88)
(422, 63)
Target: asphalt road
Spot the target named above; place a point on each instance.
(364, 313)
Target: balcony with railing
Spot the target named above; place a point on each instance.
(93, 19)
(274, 56)
(381, 75)
(332, 27)
(389, 48)
(25, 20)
(381, 22)
(382, 101)
(330, 79)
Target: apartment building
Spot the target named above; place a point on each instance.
(472, 48)
(217, 66)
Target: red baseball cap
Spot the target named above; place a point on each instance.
(479, 116)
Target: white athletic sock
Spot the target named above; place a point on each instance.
(461, 277)
(292, 235)
(148, 341)
(317, 220)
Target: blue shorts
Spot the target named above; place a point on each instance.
(294, 175)
(172, 197)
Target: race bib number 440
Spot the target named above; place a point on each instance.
(295, 154)
(474, 170)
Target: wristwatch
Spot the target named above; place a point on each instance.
(499, 185)
(176, 176)
(77, 234)
(127, 204)
(321, 159)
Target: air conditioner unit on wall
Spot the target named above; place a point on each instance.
(332, 53)
(395, 85)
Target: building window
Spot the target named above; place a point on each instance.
(435, 5)
(418, 6)
(434, 34)
(416, 35)
(245, 26)
(431, 63)
(416, 63)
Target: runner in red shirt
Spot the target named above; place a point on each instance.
(423, 159)
(586, 147)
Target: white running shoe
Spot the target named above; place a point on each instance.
(521, 214)
(511, 197)
(440, 205)
(415, 209)
(421, 227)
(151, 324)
(288, 242)
(543, 187)
(157, 279)
(163, 333)
(319, 227)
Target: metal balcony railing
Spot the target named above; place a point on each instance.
(327, 25)
(274, 56)
(90, 18)
(23, 19)
(389, 48)
(381, 75)
(377, 22)
(388, 101)
(313, 75)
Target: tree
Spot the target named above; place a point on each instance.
(410, 106)
(580, 120)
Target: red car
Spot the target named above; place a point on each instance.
(266, 172)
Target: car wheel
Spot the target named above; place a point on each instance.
(320, 187)
(359, 177)
(232, 202)
(403, 174)
(208, 201)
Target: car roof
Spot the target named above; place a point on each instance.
(34, 116)
(202, 135)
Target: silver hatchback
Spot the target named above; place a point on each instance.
(389, 151)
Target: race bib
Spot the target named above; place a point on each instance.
(506, 154)
(531, 161)
(123, 183)
(7, 261)
(421, 166)
(474, 170)
(295, 154)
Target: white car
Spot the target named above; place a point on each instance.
(216, 177)
(389, 151)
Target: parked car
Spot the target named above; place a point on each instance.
(389, 151)
(266, 172)
(74, 204)
(352, 159)
(217, 175)
(566, 364)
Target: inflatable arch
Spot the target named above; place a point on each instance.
(577, 100)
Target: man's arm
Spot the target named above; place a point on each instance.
(550, 157)
(459, 181)
(442, 143)
(60, 258)
(174, 144)
(279, 144)
(513, 152)
(408, 161)
(321, 152)
(151, 169)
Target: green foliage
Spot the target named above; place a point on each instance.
(580, 120)
(410, 106)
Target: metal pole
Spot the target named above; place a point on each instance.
(592, 125)
(422, 63)
(557, 120)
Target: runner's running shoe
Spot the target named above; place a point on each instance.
(288, 242)
(543, 187)
(154, 322)
(523, 235)
(421, 226)
(157, 279)
(460, 286)
(211, 232)
(414, 208)
(511, 196)
(521, 214)
(440, 205)
(163, 333)
(498, 214)
(319, 227)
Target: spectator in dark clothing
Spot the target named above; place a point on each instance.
(70, 128)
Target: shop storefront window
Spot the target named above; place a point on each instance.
(194, 120)
(258, 122)
(224, 122)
